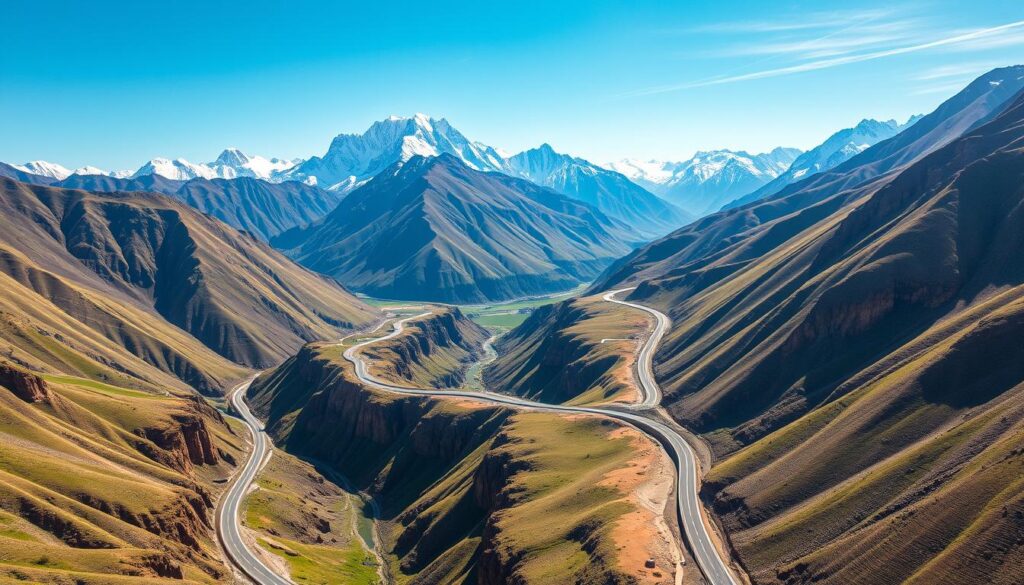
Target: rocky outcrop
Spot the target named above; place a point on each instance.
(25, 385)
(184, 443)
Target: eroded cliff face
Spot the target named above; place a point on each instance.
(185, 443)
(121, 473)
(25, 385)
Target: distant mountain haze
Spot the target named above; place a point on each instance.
(708, 180)
(837, 149)
(436, 229)
(609, 191)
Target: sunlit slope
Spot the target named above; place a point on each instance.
(234, 294)
(914, 474)
(434, 229)
(100, 483)
(579, 351)
(49, 324)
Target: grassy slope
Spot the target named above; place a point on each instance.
(73, 330)
(310, 523)
(469, 492)
(96, 483)
(892, 474)
(557, 354)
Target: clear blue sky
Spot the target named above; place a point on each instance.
(116, 83)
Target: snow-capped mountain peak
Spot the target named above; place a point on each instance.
(353, 158)
(708, 179)
(89, 170)
(835, 150)
(232, 163)
(232, 157)
(45, 169)
(178, 169)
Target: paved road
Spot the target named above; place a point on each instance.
(690, 511)
(651, 392)
(229, 528)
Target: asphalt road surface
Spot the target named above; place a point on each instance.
(229, 521)
(651, 392)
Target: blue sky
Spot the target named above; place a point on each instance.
(114, 84)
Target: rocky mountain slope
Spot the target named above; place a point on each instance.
(476, 494)
(845, 347)
(155, 276)
(708, 180)
(434, 229)
(259, 207)
(609, 191)
(102, 483)
(837, 149)
(114, 310)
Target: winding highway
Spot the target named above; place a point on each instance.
(651, 392)
(691, 514)
(641, 416)
(229, 520)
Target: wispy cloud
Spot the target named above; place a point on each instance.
(852, 37)
(948, 88)
(958, 70)
(811, 21)
(1002, 35)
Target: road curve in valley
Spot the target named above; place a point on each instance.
(649, 389)
(690, 511)
(229, 521)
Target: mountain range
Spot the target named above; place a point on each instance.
(435, 229)
(259, 207)
(849, 348)
(610, 192)
(231, 163)
(837, 149)
(708, 180)
(352, 159)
